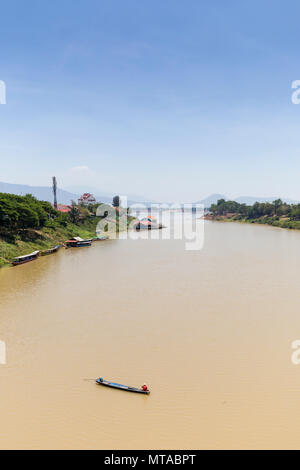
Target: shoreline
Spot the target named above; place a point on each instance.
(28, 225)
(285, 224)
(44, 240)
(37, 240)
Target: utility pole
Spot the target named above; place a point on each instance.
(54, 191)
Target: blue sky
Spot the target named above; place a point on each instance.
(169, 99)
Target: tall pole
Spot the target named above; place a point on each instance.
(54, 192)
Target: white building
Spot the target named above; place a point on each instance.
(87, 199)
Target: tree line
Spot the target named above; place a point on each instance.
(21, 212)
(26, 212)
(277, 208)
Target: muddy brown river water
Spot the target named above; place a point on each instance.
(209, 331)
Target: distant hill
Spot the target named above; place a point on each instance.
(212, 199)
(44, 193)
(106, 195)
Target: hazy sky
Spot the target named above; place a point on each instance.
(170, 99)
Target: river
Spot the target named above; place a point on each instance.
(209, 331)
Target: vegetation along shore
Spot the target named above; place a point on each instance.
(27, 224)
(277, 213)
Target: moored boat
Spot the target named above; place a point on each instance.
(148, 223)
(51, 250)
(144, 390)
(84, 243)
(78, 242)
(26, 258)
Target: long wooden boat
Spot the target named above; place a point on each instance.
(106, 383)
(84, 243)
(73, 243)
(51, 250)
(26, 258)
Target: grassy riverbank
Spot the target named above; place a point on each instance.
(27, 224)
(277, 214)
(30, 240)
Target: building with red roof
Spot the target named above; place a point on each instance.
(63, 208)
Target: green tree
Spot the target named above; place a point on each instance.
(74, 213)
(28, 217)
(277, 204)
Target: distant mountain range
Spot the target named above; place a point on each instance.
(212, 199)
(104, 194)
(44, 193)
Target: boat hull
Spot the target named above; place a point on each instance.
(25, 259)
(14, 263)
(78, 245)
(51, 251)
(125, 388)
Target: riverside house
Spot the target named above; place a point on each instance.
(87, 199)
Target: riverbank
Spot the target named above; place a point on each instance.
(31, 240)
(275, 221)
(277, 214)
(27, 224)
